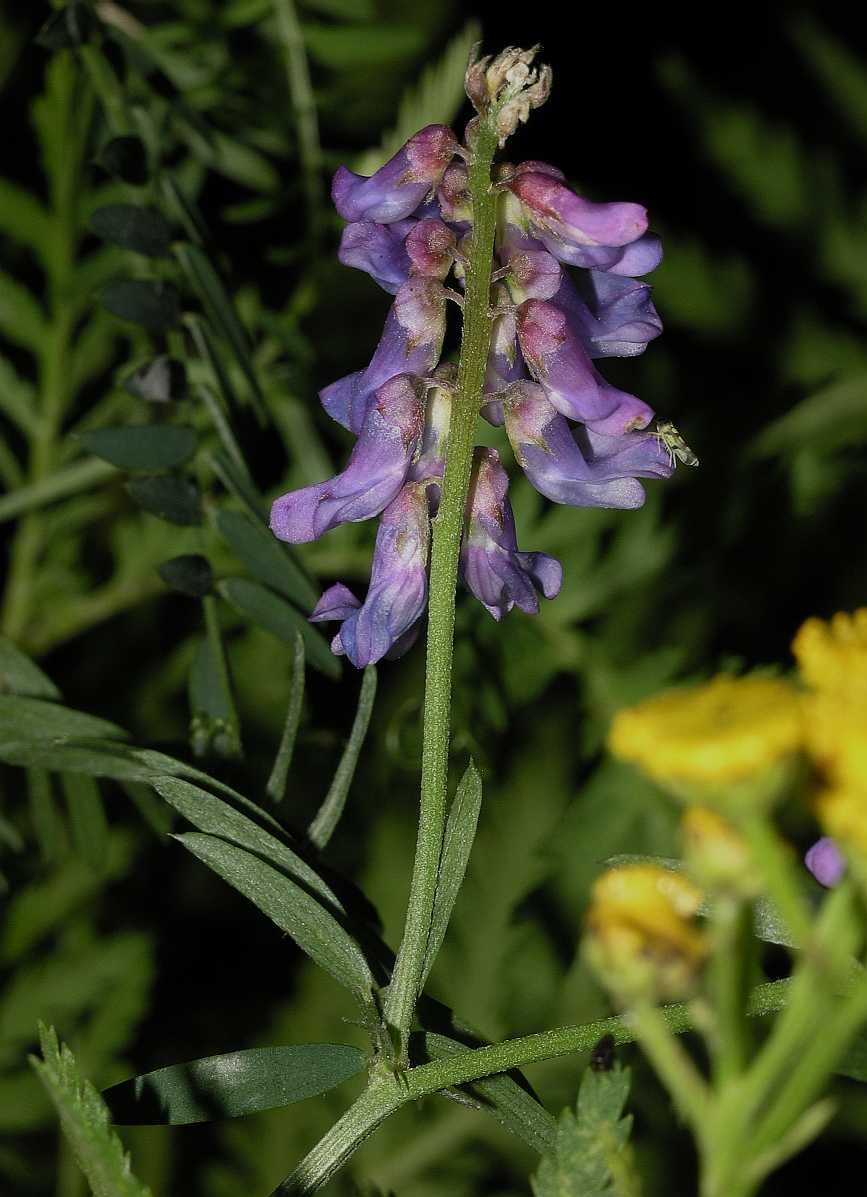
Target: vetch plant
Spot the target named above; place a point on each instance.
(546, 285)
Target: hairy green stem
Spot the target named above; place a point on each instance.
(447, 529)
(386, 1094)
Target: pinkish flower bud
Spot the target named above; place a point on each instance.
(430, 246)
(398, 187)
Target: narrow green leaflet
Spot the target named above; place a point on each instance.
(154, 305)
(19, 675)
(276, 615)
(457, 845)
(22, 320)
(134, 227)
(87, 819)
(85, 1122)
(328, 815)
(176, 500)
(267, 558)
(502, 1097)
(24, 718)
(275, 787)
(216, 817)
(190, 574)
(221, 312)
(238, 483)
(233, 1084)
(590, 1154)
(291, 908)
(126, 158)
(142, 446)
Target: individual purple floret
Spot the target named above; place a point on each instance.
(555, 354)
(826, 862)
(397, 188)
(375, 473)
(491, 566)
(379, 250)
(397, 595)
(410, 344)
(578, 466)
(411, 228)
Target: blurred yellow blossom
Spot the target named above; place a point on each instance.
(842, 811)
(832, 655)
(724, 731)
(716, 854)
(642, 939)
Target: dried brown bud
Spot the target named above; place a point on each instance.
(507, 87)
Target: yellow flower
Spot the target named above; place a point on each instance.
(835, 733)
(833, 655)
(716, 854)
(842, 811)
(725, 731)
(642, 939)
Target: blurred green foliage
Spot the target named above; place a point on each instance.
(240, 110)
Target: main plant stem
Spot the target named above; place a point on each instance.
(447, 529)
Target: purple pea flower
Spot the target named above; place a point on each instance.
(376, 471)
(826, 862)
(410, 344)
(491, 566)
(385, 623)
(554, 208)
(397, 188)
(379, 250)
(617, 319)
(579, 467)
(555, 354)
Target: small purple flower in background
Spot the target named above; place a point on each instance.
(579, 440)
(826, 862)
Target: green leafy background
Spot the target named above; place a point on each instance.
(748, 142)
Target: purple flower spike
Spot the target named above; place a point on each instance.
(579, 467)
(497, 574)
(397, 188)
(553, 208)
(379, 250)
(410, 344)
(375, 473)
(826, 862)
(397, 596)
(430, 247)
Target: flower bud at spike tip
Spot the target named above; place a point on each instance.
(507, 87)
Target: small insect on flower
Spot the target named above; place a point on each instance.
(602, 1056)
(678, 449)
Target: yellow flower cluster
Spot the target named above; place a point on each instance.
(832, 657)
(642, 938)
(724, 731)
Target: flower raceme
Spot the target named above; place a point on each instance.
(580, 440)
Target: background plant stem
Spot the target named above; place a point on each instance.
(447, 530)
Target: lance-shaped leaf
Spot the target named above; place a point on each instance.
(24, 718)
(87, 819)
(221, 312)
(216, 817)
(154, 305)
(85, 1121)
(190, 574)
(457, 845)
(142, 447)
(233, 1084)
(126, 158)
(275, 787)
(267, 558)
(19, 675)
(501, 1096)
(134, 227)
(277, 616)
(291, 908)
(176, 500)
(328, 815)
